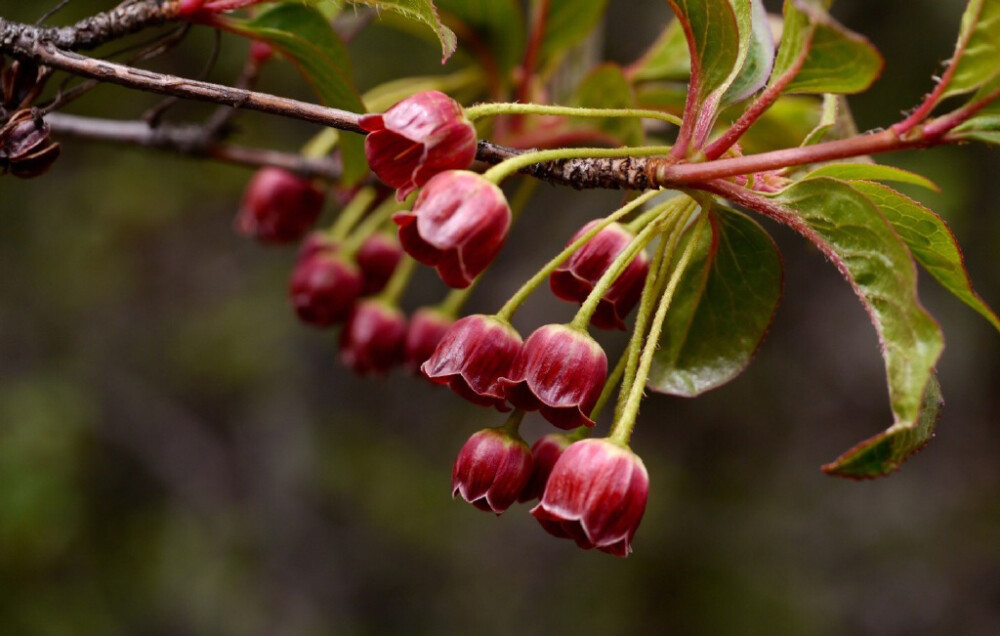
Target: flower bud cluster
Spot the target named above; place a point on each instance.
(592, 491)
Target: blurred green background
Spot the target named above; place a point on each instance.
(178, 455)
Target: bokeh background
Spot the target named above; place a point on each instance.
(178, 455)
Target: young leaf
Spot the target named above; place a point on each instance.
(717, 46)
(606, 87)
(721, 309)
(822, 56)
(931, 242)
(872, 172)
(885, 452)
(567, 23)
(667, 59)
(977, 53)
(498, 23)
(759, 56)
(827, 120)
(852, 232)
(306, 38)
(422, 11)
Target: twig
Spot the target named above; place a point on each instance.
(188, 140)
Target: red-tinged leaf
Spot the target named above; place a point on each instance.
(885, 452)
(819, 55)
(977, 53)
(931, 242)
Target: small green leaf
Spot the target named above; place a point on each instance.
(568, 23)
(422, 11)
(497, 23)
(977, 53)
(306, 38)
(784, 125)
(606, 87)
(852, 232)
(931, 242)
(759, 57)
(667, 59)
(721, 309)
(872, 172)
(885, 452)
(836, 60)
(827, 120)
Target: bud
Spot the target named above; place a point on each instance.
(260, 52)
(278, 206)
(544, 454)
(26, 149)
(559, 372)
(491, 470)
(596, 495)
(378, 257)
(458, 225)
(575, 279)
(416, 139)
(427, 328)
(324, 286)
(473, 354)
(372, 341)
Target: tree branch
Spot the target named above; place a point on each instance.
(188, 140)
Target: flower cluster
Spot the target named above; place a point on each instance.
(591, 490)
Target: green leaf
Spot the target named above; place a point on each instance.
(497, 23)
(721, 309)
(833, 58)
(667, 59)
(306, 38)
(977, 53)
(568, 23)
(423, 12)
(606, 87)
(885, 452)
(852, 232)
(717, 46)
(784, 125)
(759, 56)
(872, 172)
(931, 242)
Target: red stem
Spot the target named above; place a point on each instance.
(530, 60)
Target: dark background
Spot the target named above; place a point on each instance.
(179, 456)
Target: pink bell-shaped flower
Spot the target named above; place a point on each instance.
(378, 257)
(324, 286)
(372, 340)
(418, 138)
(545, 452)
(559, 372)
(427, 328)
(575, 279)
(278, 207)
(473, 354)
(596, 495)
(491, 470)
(458, 225)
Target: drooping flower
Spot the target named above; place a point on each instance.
(324, 286)
(378, 257)
(458, 225)
(372, 340)
(418, 138)
(278, 206)
(559, 372)
(473, 354)
(427, 328)
(491, 470)
(544, 453)
(596, 495)
(575, 279)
